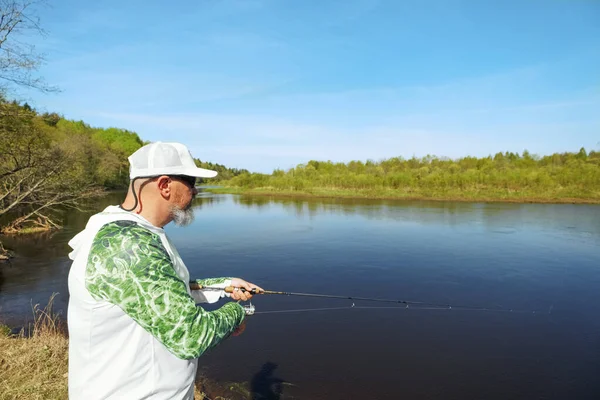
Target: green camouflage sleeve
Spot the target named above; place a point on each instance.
(212, 281)
(209, 295)
(129, 267)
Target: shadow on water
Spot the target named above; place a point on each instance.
(265, 386)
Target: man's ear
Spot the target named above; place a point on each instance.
(164, 185)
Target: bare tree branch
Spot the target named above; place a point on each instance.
(19, 61)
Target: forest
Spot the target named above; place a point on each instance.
(48, 163)
(505, 176)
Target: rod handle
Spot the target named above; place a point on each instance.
(228, 289)
(231, 289)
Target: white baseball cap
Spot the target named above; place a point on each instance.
(160, 158)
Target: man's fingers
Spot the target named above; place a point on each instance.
(249, 287)
(241, 295)
(245, 291)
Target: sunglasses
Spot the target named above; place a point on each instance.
(190, 180)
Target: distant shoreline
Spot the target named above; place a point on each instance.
(468, 197)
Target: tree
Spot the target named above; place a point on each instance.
(19, 61)
(25, 194)
(582, 155)
(37, 174)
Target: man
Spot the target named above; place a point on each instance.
(135, 331)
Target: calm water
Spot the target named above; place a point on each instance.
(524, 257)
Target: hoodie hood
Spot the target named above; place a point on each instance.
(111, 213)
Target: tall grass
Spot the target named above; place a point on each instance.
(34, 366)
(34, 363)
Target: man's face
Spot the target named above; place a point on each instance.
(184, 192)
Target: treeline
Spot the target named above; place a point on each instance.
(224, 173)
(96, 155)
(102, 152)
(505, 175)
(48, 162)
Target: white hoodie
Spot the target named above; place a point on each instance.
(134, 329)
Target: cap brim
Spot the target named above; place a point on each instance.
(199, 172)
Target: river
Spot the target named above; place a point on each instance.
(540, 260)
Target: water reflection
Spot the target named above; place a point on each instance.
(207, 199)
(502, 218)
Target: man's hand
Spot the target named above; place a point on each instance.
(241, 295)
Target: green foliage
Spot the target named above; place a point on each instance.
(105, 151)
(98, 156)
(504, 176)
(224, 173)
(117, 145)
(5, 330)
(50, 163)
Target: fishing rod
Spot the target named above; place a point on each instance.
(407, 303)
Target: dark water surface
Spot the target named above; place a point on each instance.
(524, 257)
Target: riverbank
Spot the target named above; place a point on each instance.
(36, 366)
(482, 196)
(33, 368)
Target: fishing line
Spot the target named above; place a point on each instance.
(302, 310)
(355, 307)
(458, 308)
(418, 305)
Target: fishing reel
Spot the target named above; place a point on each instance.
(249, 309)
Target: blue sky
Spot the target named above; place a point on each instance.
(264, 84)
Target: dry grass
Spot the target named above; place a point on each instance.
(207, 389)
(35, 366)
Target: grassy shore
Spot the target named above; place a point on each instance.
(488, 196)
(36, 366)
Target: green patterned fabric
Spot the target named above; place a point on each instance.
(211, 281)
(128, 266)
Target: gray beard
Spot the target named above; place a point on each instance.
(182, 217)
